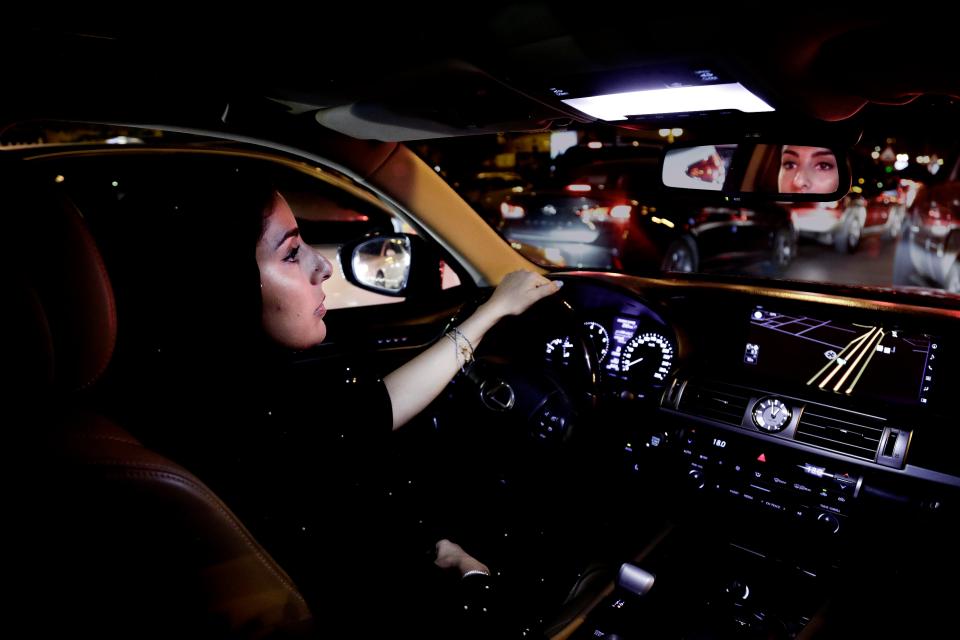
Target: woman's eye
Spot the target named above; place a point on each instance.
(292, 255)
(825, 166)
(789, 165)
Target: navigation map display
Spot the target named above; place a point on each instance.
(841, 357)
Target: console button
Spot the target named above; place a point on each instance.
(779, 481)
(802, 488)
(800, 512)
(773, 506)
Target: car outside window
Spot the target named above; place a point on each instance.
(146, 186)
(599, 204)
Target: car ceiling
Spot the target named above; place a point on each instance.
(406, 72)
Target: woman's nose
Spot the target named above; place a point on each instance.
(801, 181)
(323, 269)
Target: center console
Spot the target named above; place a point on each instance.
(763, 538)
(771, 542)
(793, 486)
(756, 559)
(703, 590)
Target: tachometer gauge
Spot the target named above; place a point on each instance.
(558, 351)
(647, 358)
(599, 338)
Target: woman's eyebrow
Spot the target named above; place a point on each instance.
(822, 152)
(290, 233)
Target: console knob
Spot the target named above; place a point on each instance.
(828, 522)
(737, 590)
(695, 477)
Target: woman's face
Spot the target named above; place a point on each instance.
(291, 281)
(808, 170)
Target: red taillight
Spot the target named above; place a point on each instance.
(617, 213)
(579, 188)
(511, 211)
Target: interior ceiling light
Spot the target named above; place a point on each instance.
(711, 97)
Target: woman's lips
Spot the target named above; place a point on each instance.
(320, 311)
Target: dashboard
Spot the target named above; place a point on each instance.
(840, 396)
(799, 440)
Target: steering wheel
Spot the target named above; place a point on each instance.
(509, 425)
(511, 396)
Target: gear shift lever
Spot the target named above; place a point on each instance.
(634, 579)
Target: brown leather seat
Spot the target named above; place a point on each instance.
(115, 540)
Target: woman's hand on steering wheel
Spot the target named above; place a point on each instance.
(518, 291)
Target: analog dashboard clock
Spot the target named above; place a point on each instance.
(771, 414)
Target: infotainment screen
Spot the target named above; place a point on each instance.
(854, 359)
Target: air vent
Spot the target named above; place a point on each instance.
(716, 401)
(854, 434)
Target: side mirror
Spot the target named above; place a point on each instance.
(392, 265)
(759, 171)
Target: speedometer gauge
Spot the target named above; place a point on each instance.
(647, 358)
(599, 338)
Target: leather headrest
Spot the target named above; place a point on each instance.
(64, 294)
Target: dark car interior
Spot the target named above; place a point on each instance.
(671, 456)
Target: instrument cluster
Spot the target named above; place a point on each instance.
(635, 351)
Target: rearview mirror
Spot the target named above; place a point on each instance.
(759, 171)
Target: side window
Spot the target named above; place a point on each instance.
(333, 212)
(330, 214)
(140, 195)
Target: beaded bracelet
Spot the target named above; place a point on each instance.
(463, 349)
(476, 572)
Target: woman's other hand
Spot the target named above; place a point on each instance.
(450, 555)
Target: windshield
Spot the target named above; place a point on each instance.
(590, 198)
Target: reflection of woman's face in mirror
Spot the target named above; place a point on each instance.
(807, 170)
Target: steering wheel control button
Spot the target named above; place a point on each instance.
(771, 415)
(550, 424)
(497, 395)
